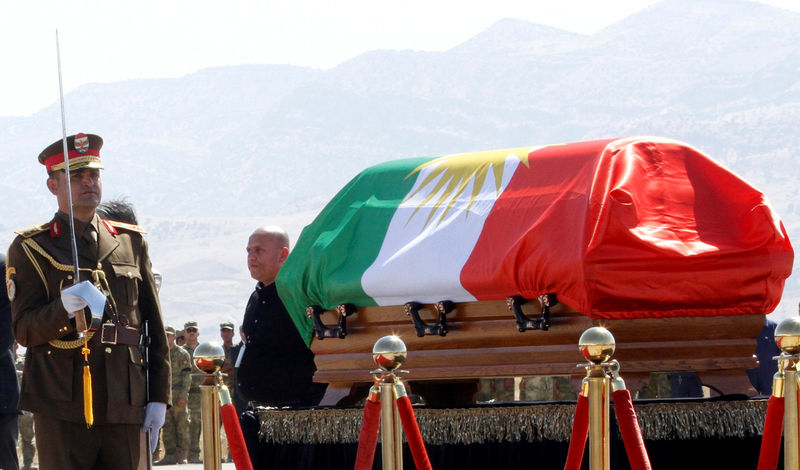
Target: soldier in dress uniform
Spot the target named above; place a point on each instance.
(113, 256)
(195, 403)
(175, 433)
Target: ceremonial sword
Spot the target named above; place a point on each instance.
(80, 318)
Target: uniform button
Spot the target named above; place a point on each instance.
(99, 265)
(130, 275)
(263, 302)
(69, 277)
(49, 352)
(108, 350)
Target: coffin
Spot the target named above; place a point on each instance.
(677, 256)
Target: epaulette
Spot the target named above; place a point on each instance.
(124, 225)
(31, 231)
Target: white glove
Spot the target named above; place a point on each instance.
(72, 303)
(83, 294)
(154, 415)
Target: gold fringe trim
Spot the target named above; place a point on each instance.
(658, 421)
(717, 419)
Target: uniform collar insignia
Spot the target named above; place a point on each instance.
(109, 227)
(55, 229)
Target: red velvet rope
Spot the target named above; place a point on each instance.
(368, 436)
(241, 458)
(631, 433)
(580, 432)
(771, 440)
(410, 427)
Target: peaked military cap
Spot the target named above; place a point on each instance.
(226, 325)
(169, 330)
(190, 324)
(180, 334)
(83, 151)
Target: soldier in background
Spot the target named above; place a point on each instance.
(237, 351)
(226, 334)
(175, 433)
(26, 434)
(195, 404)
(180, 338)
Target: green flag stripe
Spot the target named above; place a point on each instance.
(332, 253)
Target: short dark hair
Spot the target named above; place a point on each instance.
(118, 209)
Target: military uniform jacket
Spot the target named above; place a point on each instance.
(52, 382)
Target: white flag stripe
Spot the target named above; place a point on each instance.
(423, 263)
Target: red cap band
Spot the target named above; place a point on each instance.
(58, 158)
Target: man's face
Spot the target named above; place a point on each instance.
(87, 189)
(191, 334)
(265, 257)
(171, 340)
(226, 335)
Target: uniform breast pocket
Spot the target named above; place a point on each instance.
(126, 283)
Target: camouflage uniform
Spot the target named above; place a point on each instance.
(538, 388)
(25, 426)
(175, 433)
(547, 388)
(195, 413)
(658, 387)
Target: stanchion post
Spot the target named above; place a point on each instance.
(389, 353)
(209, 357)
(389, 436)
(597, 346)
(787, 337)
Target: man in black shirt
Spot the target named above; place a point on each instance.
(277, 367)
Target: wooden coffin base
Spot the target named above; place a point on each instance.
(483, 340)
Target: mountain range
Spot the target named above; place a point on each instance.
(207, 157)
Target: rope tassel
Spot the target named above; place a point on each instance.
(88, 414)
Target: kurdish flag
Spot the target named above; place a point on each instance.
(617, 228)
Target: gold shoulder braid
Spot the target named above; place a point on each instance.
(31, 231)
(98, 276)
(126, 226)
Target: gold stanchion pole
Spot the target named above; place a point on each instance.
(597, 346)
(388, 438)
(389, 353)
(212, 448)
(209, 357)
(787, 337)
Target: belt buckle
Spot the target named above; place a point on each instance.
(108, 333)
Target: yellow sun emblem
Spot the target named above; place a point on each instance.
(453, 173)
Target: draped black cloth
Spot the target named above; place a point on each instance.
(684, 434)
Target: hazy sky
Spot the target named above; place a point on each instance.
(111, 40)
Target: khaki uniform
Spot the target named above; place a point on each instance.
(195, 409)
(175, 433)
(117, 261)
